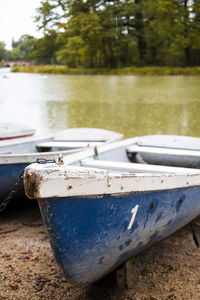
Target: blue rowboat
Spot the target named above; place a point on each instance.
(17, 153)
(107, 204)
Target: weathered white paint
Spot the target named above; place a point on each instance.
(80, 181)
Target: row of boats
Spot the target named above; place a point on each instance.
(103, 199)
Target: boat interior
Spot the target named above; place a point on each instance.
(70, 139)
(155, 154)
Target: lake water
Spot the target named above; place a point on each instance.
(132, 105)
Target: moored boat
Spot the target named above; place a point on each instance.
(107, 204)
(13, 131)
(16, 154)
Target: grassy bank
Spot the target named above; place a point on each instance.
(55, 69)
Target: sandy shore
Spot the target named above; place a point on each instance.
(169, 270)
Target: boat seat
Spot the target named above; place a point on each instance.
(163, 151)
(47, 146)
(135, 167)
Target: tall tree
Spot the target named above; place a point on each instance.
(44, 49)
(22, 47)
(3, 52)
(120, 33)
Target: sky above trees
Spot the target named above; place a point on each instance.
(16, 19)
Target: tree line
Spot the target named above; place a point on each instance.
(20, 49)
(114, 33)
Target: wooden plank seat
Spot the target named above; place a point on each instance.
(135, 167)
(47, 146)
(163, 151)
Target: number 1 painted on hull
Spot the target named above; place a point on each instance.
(134, 212)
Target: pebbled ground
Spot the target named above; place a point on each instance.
(168, 270)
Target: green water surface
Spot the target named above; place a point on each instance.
(132, 105)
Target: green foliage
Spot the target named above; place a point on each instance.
(16, 54)
(44, 49)
(57, 69)
(44, 15)
(117, 33)
(21, 48)
(46, 69)
(3, 52)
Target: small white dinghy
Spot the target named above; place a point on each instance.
(13, 131)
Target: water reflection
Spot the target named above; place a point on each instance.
(132, 105)
(136, 118)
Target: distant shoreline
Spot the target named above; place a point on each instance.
(57, 69)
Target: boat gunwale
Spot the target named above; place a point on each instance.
(6, 159)
(56, 182)
(29, 157)
(44, 175)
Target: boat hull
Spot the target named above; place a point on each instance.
(92, 236)
(10, 180)
(16, 155)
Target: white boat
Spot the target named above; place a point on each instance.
(13, 131)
